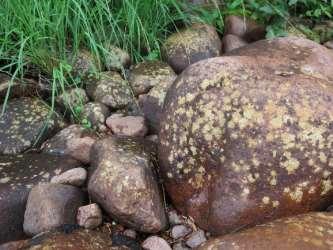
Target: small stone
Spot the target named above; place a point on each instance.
(89, 216)
(96, 113)
(127, 126)
(231, 42)
(130, 233)
(329, 44)
(154, 243)
(74, 177)
(179, 246)
(72, 98)
(180, 231)
(116, 58)
(50, 206)
(85, 64)
(79, 148)
(196, 239)
(174, 218)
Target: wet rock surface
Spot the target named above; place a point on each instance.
(111, 90)
(240, 145)
(124, 185)
(18, 174)
(308, 231)
(191, 45)
(50, 206)
(146, 75)
(24, 123)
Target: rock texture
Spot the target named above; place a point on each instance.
(50, 206)
(18, 174)
(24, 123)
(146, 75)
(116, 58)
(111, 89)
(72, 98)
(231, 42)
(307, 231)
(241, 144)
(75, 177)
(191, 45)
(154, 243)
(85, 63)
(132, 126)
(96, 113)
(124, 185)
(244, 28)
(89, 216)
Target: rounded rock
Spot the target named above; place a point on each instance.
(154, 243)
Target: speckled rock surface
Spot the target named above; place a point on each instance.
(231, 42)
(124, 185)
(307, 231)
(50, 206)
(18, 174)
(22, 124)
(78, 240)
(146, 75)
(96, 113)
(89, 216)
(111, 89)
(291, 55)
(244, 28)
(191, 45)
(240, 145)
(75, 177)
(85, 63)
(131, 126)
(72, 98)
(116, 58)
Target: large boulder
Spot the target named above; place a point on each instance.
(290, 55)
(123, 183)
(191, 45)
(241, 145)
(306, 231)
(26, 122)
(18, 174)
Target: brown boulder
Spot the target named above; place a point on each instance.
(123, 183)
(231, 42)
(191, 45)
(132, 126)
(241, 145)
(306, 231)
(244, 28)
(95, 114)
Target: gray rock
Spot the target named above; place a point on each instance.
(75, 177)
(96, 113)
(116, 58)
(231, 42)
(72, 98)
(24, 124)
(133, 126)
(18, 174)
(146, 75)
(196, 239)
(179, 246)
(174, 217)
(180, 231)
(89, 216)
(50, 206)
(111, 89)
(130, 233)
(123, 183)
(154, 243)
(85, 64)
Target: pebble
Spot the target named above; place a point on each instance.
(89, 216)
(196, 239)
(155, 243)
(180, 231)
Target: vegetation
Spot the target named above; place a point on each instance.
(40, 35)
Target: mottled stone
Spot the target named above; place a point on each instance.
(174, 217)
(130, 233)
(85, 64)
(89, 216)
(231, 42)
(96, 113)
(196, 239)
(180, 231)
(74, 141)
(306, 231)
(72, 98)
(50, 206)
(124, 185)
(133, 126)
(146, 75)
(116, 58)
(154, 243)
(191, 45)
(241, 144)
(77, 240)
(24, 124)
(244, 28)
(18, 174)
(111, 89)
(75, 177)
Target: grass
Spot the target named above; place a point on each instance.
(38, 37)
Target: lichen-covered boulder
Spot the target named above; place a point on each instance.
(241, 145)
(191, 45)
(146, 75)
(96, 113)
(306, 231)
(290, 55)
(18, 174)
(122, 182)
(25, 123)
(85, 64)
(116, 58)
(72, 98)
(111, 89)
